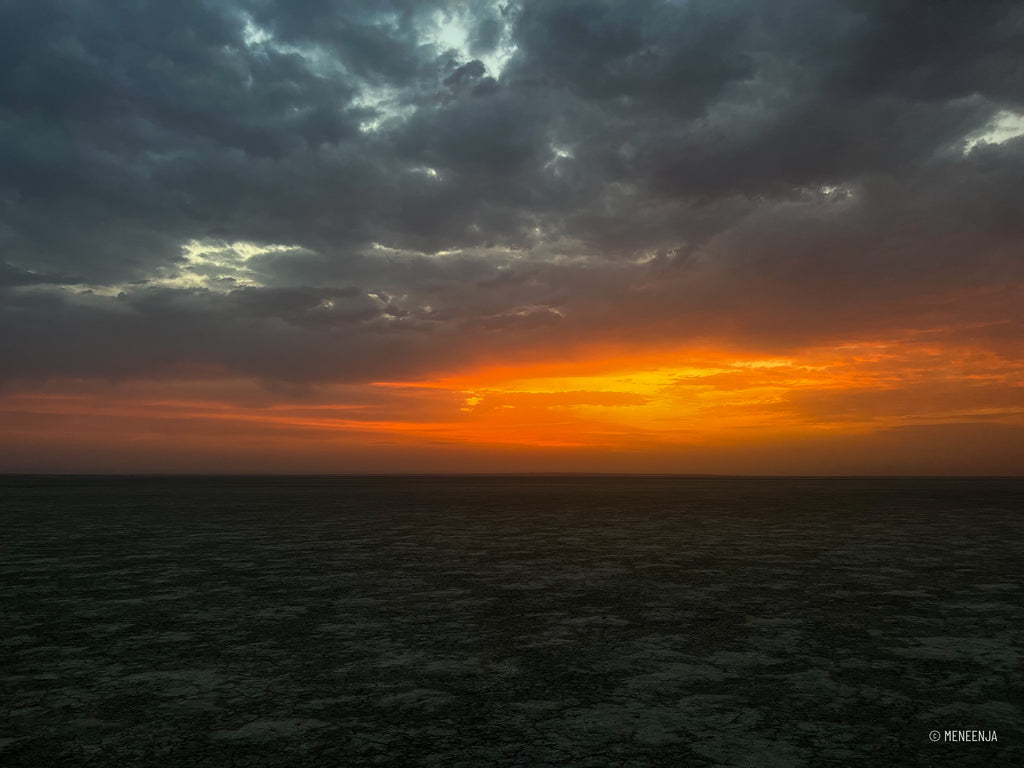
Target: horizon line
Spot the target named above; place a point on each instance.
(356, 475)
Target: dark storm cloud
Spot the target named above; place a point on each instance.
(933, 50)
(449, 180)
(648, 55)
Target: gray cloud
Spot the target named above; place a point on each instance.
(316, 190)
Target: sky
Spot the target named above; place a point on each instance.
(688, 236)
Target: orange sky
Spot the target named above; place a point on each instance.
(879, 406)
(731, 238)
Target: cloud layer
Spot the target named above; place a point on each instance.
(320, 192)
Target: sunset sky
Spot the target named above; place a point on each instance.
(693, 236)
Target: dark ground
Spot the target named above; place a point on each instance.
(528, 622)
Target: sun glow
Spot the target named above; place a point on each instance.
(718, 397)
(676, 410)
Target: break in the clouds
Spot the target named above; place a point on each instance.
(326, 191)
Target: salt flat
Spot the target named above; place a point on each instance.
(530, 621)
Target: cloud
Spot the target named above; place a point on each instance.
(343, 191)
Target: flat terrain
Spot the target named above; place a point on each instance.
(541, 621)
